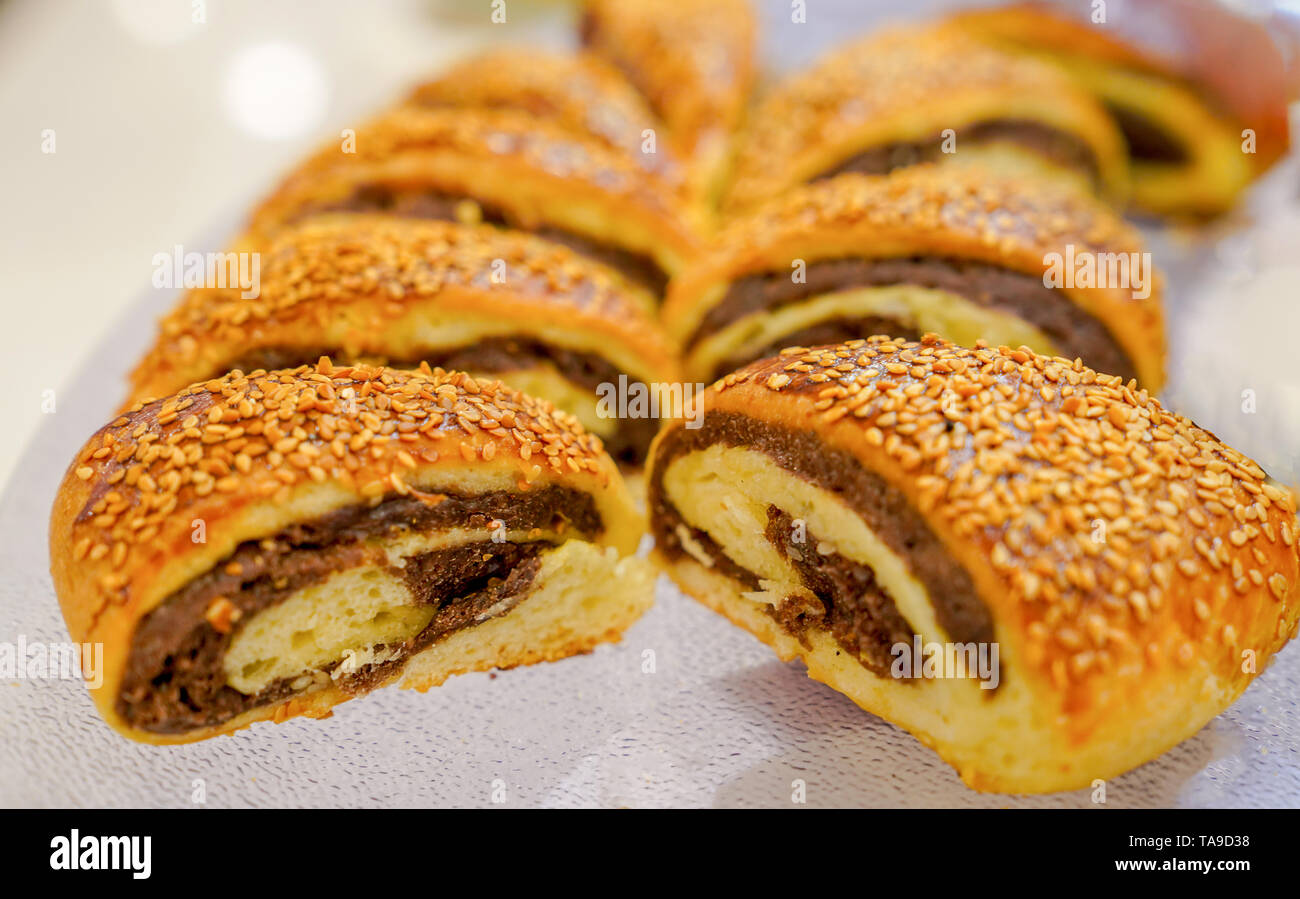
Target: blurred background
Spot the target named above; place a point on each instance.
(164, 130)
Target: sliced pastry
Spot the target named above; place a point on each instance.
(400, 292)
(581, 91)
(925, 94)
(960, 251)
(1198, 90)
(1036, 569)
(695, 64)
(258, 548)
(501, 167)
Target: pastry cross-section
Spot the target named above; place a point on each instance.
(1038, 570)
(914, 94)
(503, 167)
(964, 252)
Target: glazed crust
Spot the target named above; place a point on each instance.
(693, 61)
(1011, 458)
(1230, 60)
(908, 84)
(248, 456)
(367, 284)
(930, 210)
(580, 91)
(538, 171)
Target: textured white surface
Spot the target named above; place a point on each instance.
(720, 722)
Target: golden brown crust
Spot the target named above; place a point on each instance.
(580, 91)
(362, 285)
(693, 61)
(1012, 458)
(245, 456)
(1229, 59)
(931, 210)
(907, 84)
(537, 171)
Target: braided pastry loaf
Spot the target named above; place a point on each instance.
(1037, 570)
(257, 548)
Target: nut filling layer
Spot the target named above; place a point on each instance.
(859, 613)
(849, 603)
(178, 677)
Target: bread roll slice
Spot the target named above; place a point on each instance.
(1036, 569)
(961, 251)
(257, 548)
(925, 93)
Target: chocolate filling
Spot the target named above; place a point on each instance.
(433, 204)
(174, 680)
(491, 355)
(867, 623)
(1072, 331)
(856, 610)
(1056, 146)
(1146, 140)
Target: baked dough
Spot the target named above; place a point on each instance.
(257, 548)
(400, 291)
(1133, 572)
(1184, 80)
(498, 166)
(694, 62)
(924, 94)
(580, 91)
(951, 249)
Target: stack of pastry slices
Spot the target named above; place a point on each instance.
(931, 463)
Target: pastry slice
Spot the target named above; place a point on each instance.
(1184, 79)
(257, 548)
(695, 64)
(1039, 571)
(966, 253)
(580, 91)
(916, 94)
(501, 167)
(400, 292)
